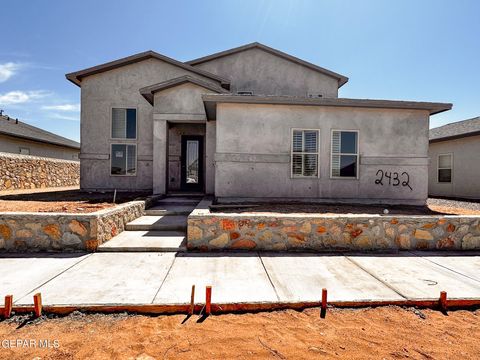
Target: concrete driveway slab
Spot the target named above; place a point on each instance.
(108, 278)
(467, 264)
(235, 278)
(416, 278)
(23, 273)
(301, 277)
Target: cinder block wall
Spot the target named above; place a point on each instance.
(31, 172)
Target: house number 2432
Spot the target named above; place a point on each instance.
(393, 178)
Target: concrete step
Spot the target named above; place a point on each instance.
(178, 200)
(144, 241)
(157, 222)
(170, 209)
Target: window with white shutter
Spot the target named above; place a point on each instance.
(304, 155)
(344, 156)
(445, 166)
(124, 123)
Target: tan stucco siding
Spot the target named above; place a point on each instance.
(12, 145)
(466, 168)
(120, 88)
(267, 74)
(254, 142)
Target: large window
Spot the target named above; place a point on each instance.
(124, 159)
(124, 123)
(344, 162)
(445, 165)
(304, 156)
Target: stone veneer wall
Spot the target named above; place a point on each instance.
(30, 172)
(65, 232)
(214, 231)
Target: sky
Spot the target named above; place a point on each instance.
(399, 50)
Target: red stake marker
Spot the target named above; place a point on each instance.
(323, 310)
(37, 302)
(443, 300)
(208, 300)
(7, 311)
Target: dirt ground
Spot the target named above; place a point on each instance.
(72, 201)
(381, 333)
(433, 207)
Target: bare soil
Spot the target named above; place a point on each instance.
(433, 207)
(381, 333)
(73, 201)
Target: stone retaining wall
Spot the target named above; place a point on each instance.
(214, 231)
(65, 232)
(30, 172)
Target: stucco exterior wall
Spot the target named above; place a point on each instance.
(12, 145)
(268, 74)
(466, 168)
(254, 141)
(120, 88)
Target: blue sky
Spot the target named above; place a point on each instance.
(406, 50)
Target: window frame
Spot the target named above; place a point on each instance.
(136, 123)
(340, 153)
(443, 168)
(317, 153)
(126, 156)
(20, 148)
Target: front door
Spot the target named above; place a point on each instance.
(192, 163)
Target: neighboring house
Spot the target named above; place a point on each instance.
(455, 160)
(19, 138)
(247, 123)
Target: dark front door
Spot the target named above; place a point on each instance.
(192, 163)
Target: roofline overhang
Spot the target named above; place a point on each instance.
(455, 137)
(432, 108)
(149, 91)
(39, 140)
(76, 77)
(340, 78)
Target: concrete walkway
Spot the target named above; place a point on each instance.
(167, 277)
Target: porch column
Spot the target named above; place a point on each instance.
(160, 141)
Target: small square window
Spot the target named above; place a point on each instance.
(123, 159)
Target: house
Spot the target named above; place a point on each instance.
(18, 137)
(244, 124)
(454, 152)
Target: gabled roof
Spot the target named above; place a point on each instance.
(76, 77)
(456, 130)
(148, 91)
(18, 129)
(210, 100)
(341, 79)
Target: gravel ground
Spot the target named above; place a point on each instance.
(456, 204)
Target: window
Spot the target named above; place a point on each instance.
(445, 162)
(123, 159)
(124, 123)
(344, 162)
(304, 156)
(24, 151)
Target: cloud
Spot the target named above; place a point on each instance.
(20, 97)
(7, 70)
(65, 117)
(63, 107)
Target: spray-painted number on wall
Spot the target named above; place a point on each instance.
(393, 178)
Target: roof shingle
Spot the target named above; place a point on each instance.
(459, 129)
(18, 129)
